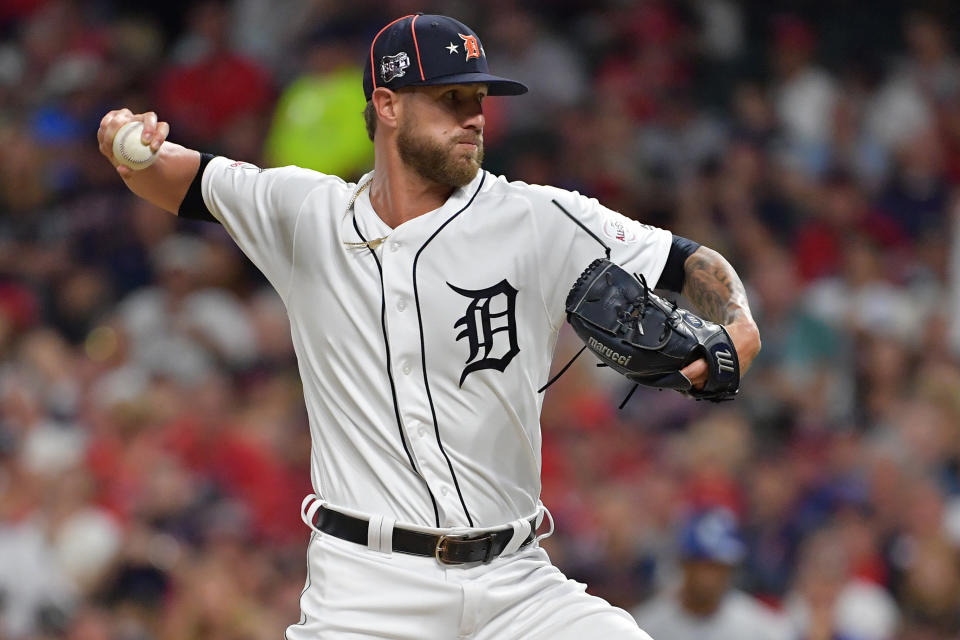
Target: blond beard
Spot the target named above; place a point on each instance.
(444, 165)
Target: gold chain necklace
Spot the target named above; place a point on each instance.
(370, 244)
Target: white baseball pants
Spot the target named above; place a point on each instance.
(354, 592)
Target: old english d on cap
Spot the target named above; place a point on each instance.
(421, 50)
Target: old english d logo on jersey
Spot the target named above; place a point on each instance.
(490, 327)
(470, 45)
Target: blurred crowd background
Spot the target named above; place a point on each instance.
(153, 441)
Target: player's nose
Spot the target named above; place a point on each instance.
(474, 119)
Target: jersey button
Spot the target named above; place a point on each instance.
(422, 431)
(401, 305)
(444, 490)
(406, 368)
(394, 246)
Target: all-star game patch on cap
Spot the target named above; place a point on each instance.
(421, 50)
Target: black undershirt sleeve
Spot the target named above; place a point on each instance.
(674, 275)
(193, 207)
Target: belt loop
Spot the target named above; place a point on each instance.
(380, 533)
(543, 511)
(307, 514)
(521, 529)
(386, 534)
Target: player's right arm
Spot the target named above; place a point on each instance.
(259, 208)
(166, 181)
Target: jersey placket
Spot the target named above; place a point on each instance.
(403, 326)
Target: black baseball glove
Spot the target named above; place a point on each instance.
(646, 338)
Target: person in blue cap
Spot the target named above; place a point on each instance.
(702, 605)
(425, 302)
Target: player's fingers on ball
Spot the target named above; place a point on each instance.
(105, 140)
(124, 171)
(149, 120)
(105, 148)
(163, 130)
(103, 131)
(112, 123)
(116, 119)
(109, 126)
(111, 116)
(103, 125)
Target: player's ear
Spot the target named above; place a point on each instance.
(387, 105)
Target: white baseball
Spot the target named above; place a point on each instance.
(129, 151)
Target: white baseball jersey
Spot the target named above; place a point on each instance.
(421, 358)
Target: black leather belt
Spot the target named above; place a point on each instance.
(448, 549)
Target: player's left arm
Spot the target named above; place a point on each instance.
(714, 288)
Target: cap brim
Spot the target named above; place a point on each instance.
(496, 86)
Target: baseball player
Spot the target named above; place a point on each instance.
(702, 603)
(424, 304)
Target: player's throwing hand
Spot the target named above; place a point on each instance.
(154, 134)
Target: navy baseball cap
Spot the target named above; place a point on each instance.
(422, 50)
(712, 535)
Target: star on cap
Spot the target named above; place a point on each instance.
(452, 48)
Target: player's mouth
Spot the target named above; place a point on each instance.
(469, 142)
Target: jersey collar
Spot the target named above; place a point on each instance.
(372, 222)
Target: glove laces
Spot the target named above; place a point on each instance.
(636, 307)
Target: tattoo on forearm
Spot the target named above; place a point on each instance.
(713, 287)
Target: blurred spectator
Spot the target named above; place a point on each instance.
(841, 213)
(266, 31)
(916, 197)
(722, 29)
(80, 299)
(318, 122)
(703, 604)
(770, 530)
(828, 603)
(681, 141)
(862, 297)
(852, 148)
(36, 592)
(804, 93)
(807, 362)
(925, 78)
(932, 591)
(181, 327)
(210, 88)
(521, 48)
(753, 115)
